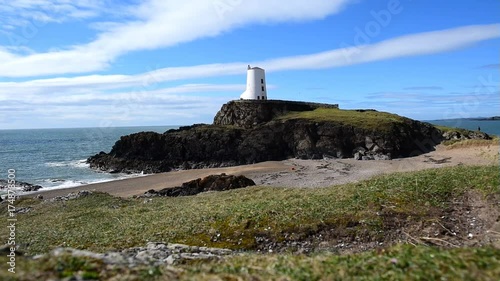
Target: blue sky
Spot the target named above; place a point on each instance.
(90, 63)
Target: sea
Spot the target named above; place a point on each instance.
(56, 158)
(491, 127)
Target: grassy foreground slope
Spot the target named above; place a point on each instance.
(233, 219)
(396, 263)
(370, 211)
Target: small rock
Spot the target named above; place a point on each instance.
(170, 260)
(357, 156)
(22, 210)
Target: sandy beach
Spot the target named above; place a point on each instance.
(299, 173)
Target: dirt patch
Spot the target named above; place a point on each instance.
(470, 220)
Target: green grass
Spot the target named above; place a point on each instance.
(471, 143)
(101, 222)
(371, 120)
(397, 263)
(67, 266)
(403, 262)
(445, 129)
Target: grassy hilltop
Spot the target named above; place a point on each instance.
(369, 119)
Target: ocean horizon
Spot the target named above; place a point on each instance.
(491, 127)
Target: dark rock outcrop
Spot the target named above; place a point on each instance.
(462, 134)
(211, 183)
(237, 143)
(24, 186)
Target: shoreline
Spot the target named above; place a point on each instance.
(137, 185)
(295, 172)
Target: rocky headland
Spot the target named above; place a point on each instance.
(246, 132)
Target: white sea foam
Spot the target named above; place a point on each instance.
(55, 164)
(80, 164)
(74, 163)
(66, 184)
(52, 184)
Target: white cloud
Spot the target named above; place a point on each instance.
(176, 105)
(409, 45)
(163, 23)
(5, 55)
(139, 95)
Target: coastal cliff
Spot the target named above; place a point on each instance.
(246, 132)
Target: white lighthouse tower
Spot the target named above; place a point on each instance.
(256, 84)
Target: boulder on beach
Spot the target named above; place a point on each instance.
(220, 182)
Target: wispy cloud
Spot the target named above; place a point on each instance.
(404, 46)
(88, 95)
(23, 12)
(409, 45)
(183, 104)
(491, 66)
(156, 25)
(442, 106)
(417, 88)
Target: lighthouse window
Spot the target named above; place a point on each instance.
(262, 88)
(262, 81)
(258, 97)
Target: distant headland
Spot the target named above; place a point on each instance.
(493, 118)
